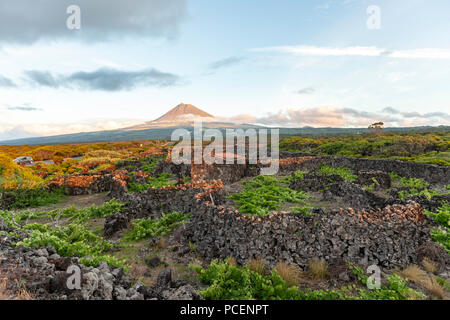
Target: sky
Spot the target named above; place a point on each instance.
(335, 63)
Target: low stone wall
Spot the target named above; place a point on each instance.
(84, 184)
(356, 236)
(389, 237)
(153, 202)
(430, 173)
(225, 172)
(289, 162)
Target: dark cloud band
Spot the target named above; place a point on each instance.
(6, 83)
(23, 108)
(104, 79)
(25, 21)
(225, 63)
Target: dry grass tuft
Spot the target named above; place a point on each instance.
(161, 244)
(421, 278)
(429, 266)
(231, 261)
(21, 294)
(139, 270)
(413, 273)
(434, 288)
(318, 269)
(291, 273)
(258, 265)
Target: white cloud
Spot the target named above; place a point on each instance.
(329, 116)
(10, 132)
(362, 51)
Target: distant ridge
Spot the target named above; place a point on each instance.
(165, 134)
(183, 116)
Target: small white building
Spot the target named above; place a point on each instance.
(23, 160)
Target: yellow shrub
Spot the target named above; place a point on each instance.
(102, 154)
(13, 176)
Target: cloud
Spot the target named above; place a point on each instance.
(390, 110)
(225, 63)
(25, 22)
(307, 90)
(6, 83)
(17, 132)
(104, 79)
(329, 116)
(324, 6)
(428, 115)
(361, 51)
(23, 108)
(10, 132)
(42, 78)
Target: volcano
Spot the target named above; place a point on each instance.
(181, 113)
(181, 116)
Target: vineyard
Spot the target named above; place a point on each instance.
(165, 231)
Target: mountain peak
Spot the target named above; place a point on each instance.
(183, 112)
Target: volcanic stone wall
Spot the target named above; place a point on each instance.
(354, 236)
(84, 184)
(153, 202)
(227, 173)
(231, 173)
(389, 237)
(430, 173)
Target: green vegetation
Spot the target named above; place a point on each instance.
(345, 173)
(30, 198)
(228, 281)
(71, 240)
(306, 211)
(146, 164)
(428, 193)
(73, 237)
(162, 180)
(442, 217)
(408, 182)
(149, 228)
(299, 175)
(72, 214)
(422, 147)
(418, 187)
(264, 194)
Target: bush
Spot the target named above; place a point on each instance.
(71, 240)
(442, 217)
(14, 176)
(264, 194)
(72, 214)
(30, 198)
(228, 282)
(345, 173)
(231, 282)
(162, 180)
(149, 228)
